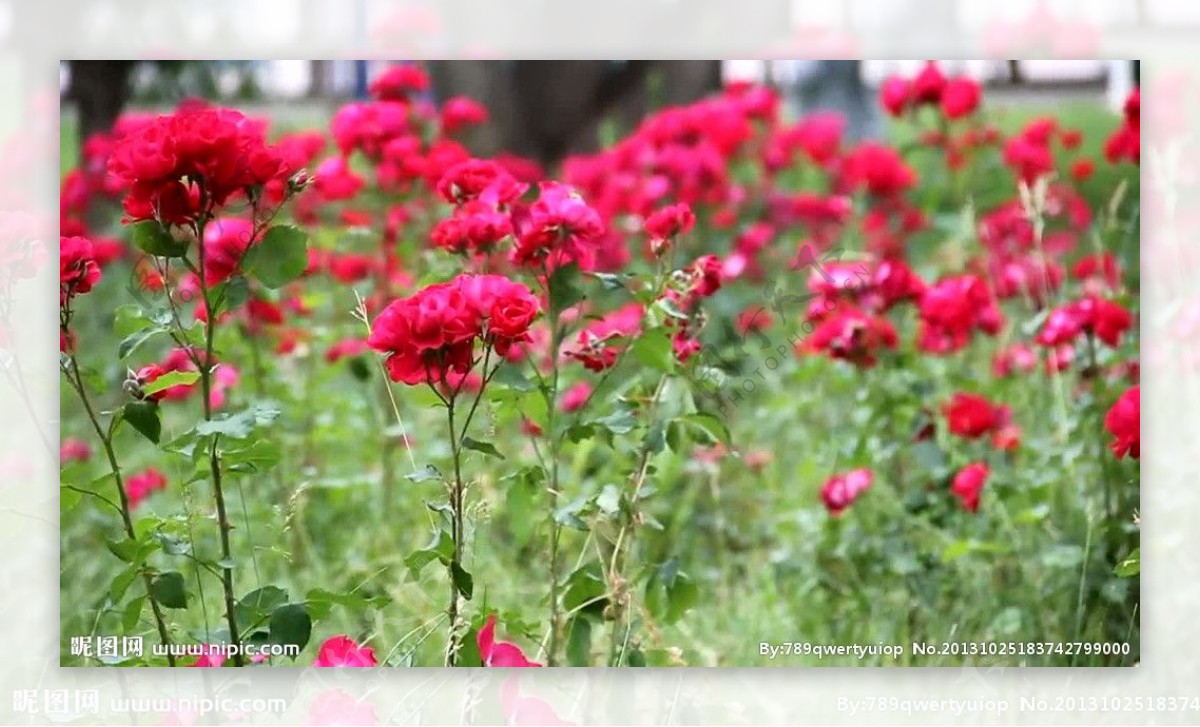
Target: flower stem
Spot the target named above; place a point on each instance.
(76, 382)
(214, 459)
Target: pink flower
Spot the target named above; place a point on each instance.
(140, 486)
(73, 450)
(968, 485)
(341, 650)
(575, 397)
(960, 97)
(211, 656)
(840, 491)
(499, 653)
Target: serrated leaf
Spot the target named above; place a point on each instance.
(167, 589)
(134, 340)
(484, 447)
(279, 257)
(150, 237)
(240, 424)
(169, 379)
(144, 417)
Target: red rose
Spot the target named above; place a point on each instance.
(968, 485)
(1124, 422)
(969, 415)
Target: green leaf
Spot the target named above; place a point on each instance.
(150, 237)
(670, 593)
(260, 456)
(143, 416)
(320, 602)
(279, 258)
(120, 584)
(510, 376)
(291, 624)
(132, 614)
(440, 548)
(711, 426)
(134, 340)
(1131, 566)
(462, 580)
(1062, 556)
(167, 589)
(579, 642)
(621, 421)
(521, 501)
(131, 551)
(485, 447)
(564, 289)
(129, 318)
(428, 472)
(172, 378)
(653, 349)
(609, 499)
(239, 425)
(585, 585)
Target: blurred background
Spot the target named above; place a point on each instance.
(546, 110)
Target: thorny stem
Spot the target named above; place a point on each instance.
(457, 494)
(214, 460)
(552, 494)
(76, 382)
(617, 580)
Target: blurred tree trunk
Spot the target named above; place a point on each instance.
(99, 90)
(548, 109)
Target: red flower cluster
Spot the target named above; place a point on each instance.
(1092, 315)
(165, 162)
(957, 97)
(954, 307)
(840, 491)
(397, 83)
(1126, 142)
(851, 335)
(432, 334)
(971, 416)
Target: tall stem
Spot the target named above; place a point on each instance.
(126, 518)
(214, 459)
(552, 494)
(456, 535)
